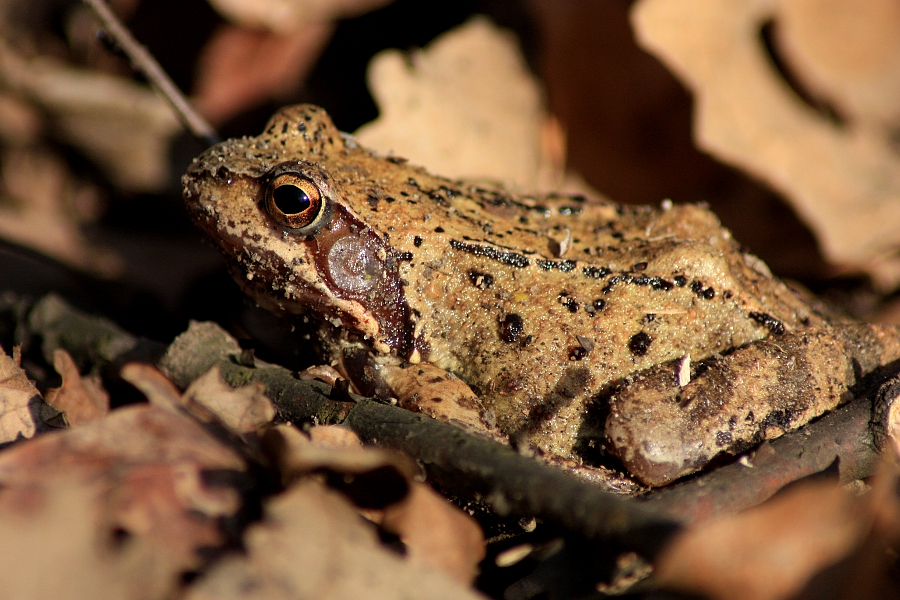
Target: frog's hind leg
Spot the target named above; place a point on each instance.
(662, 429)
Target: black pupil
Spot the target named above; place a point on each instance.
(290, 199)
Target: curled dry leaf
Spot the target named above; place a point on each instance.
(118, 506)
(774, 550)
(437, 534)
(243, 410)
(466, 106)
(20, 402)
(159, 389)
(125, 127)
(846, 52)
(42, 206)
(843, 181)
(312, 544)
(240, 68)
(336, 449)
(291, 15)
(83, 399)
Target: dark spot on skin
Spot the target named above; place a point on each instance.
(697, 287)
(639, 343)
(407, 256)
(571, 304)
(437, 400)
(511, 328)
(649, 318)
(481, 280)
(567, 211)
(417, 241)
(708, 294)
(728, 294)
(439, 230)
(301, 126)
(512, 259)
(680, 280)
(372, 201)
(563, 265)
(595, 272)
(389, 199)
(397, 160)
(577, 353)
(599, 304)
(657, 283)
(641, 266)
(723, 438)
(767, 320)
(284, 127)
(526, 340)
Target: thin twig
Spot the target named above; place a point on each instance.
(143, 62)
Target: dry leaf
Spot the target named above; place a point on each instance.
(436, 533)
(774, 550)
(336, 451)
(39, 201)
(292, 15)
(467, 107)
(241, 68)
(83, 399)
(158, 389)
(847, 52)
(20, 401)
(844, 182)
(243, 410)
(115, 508)
(312, 544)
(124, 126)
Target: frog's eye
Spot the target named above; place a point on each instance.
(293, 201)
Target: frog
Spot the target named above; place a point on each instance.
(578, 330)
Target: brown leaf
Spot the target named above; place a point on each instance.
(436, 533)
(467, 107)
(774, 550)
(292, 15)
(124, 126)
(39, 197)
(843, 181)
(334, 450)
(241, 68)
(847, 52)
(83, 399)
(158, 389)
(243, 410)
(20, 401)
(118, 506)
(311, 544)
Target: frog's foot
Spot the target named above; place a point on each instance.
(441, 395)
(662, 429)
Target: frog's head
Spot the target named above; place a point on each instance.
(291, 239)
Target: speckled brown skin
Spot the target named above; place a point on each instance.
(476, 281)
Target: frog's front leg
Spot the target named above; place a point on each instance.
(421, 388)
(662, 429)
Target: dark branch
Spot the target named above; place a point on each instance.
(144, 63)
